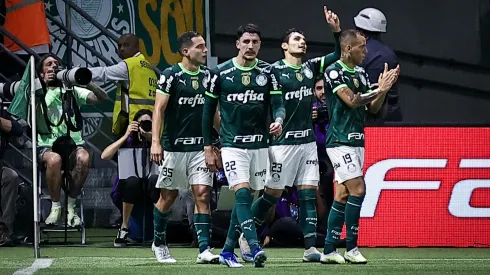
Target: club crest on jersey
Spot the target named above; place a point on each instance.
(261, 80)
(246, 79)
(308, 73)
(205, 81)
(333, 75)
(356, 82)
(195, 84)
(299, 76)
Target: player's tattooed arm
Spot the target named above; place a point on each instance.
(355, 100)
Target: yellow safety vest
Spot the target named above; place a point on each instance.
(141, 93)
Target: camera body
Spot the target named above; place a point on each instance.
(322, 111)
(146, 125)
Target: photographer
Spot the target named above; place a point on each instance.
(131, 190)
(52, 156)
(9, 183)
(320, 118)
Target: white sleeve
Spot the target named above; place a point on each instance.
(118, 72)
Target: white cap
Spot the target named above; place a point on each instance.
(371, 19)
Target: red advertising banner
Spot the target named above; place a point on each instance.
(426, 186)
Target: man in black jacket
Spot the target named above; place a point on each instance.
(9, 183)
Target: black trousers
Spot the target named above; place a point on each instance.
(132, 190)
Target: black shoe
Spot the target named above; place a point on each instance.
(5, 239)
(121, 239)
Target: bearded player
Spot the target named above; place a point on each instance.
(293, 155)
(179, 104)
(349, 98)
(247, 91)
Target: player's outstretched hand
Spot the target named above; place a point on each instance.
(275, 129)
(211, 158)
(387, 78)
(332, 19)
(156, 153)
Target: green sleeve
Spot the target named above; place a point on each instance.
(277, 105)
(275, 90)
(209, 109)
(332, 57)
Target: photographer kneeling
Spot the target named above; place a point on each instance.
(56, 144)
(131, 189)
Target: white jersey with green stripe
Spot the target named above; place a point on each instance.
(346, 127)
(182, 128)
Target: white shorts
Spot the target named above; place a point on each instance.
(292, 164)
(245, 165)
(347, 162)
(181, 169)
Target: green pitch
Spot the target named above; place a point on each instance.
(98, 257)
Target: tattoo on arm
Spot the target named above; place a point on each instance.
(355, 100)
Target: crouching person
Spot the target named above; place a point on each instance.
(52, 146)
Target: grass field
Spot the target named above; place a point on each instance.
(98, 257)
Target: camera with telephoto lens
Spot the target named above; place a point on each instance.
(75, 77)
(322, 111)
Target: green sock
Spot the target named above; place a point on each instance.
(202, 223)
(307, 216)
(160, 227)
(234, 232)
(352, 215)
(334, 228)
(243, 203)
(261, 207)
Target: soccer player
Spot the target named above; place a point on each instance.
(293, 155)
(349, 98)
(247, 90)
(179, 104)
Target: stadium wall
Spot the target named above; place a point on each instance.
(444, 61)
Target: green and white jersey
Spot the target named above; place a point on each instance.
(346, 125)
(182, 129)
(243, 95)
(297, 84)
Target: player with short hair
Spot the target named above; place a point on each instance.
(179, 104)
(293, 155)
(247, 91)
(349, 98)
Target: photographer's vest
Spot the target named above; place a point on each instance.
(141, 94)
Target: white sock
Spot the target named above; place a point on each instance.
(56, 204)
(72, 202)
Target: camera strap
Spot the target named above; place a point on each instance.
(70, 109)
(144, 157)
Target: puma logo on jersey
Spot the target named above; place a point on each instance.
(299, 94)
(285, 75)
(248, 96)
(182, 81)
(230, 78)
(193, 101)
(247, 228)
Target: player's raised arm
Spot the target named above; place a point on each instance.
(334, 23)
(277, 105)
(319, 64)
(161, 101)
